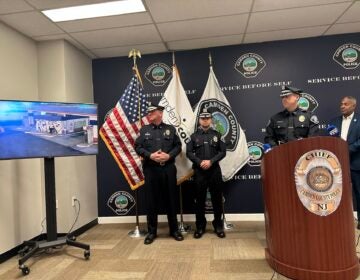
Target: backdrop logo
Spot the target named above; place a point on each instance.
(256, 153)
(347, 56)
(224, 121)
(158, 74)
(318, 180)
(250, 64)
(121, 202)
(308, 102)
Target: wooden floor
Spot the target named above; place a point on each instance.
(114, 255)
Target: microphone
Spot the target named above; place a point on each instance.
(266, 147)
(333, 130)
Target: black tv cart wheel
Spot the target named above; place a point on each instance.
(87, 254)
(24, 269)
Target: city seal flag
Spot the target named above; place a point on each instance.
(178, 112)
(225, 122)
(122, 127)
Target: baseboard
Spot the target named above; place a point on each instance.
(186, 218)
(13, 252)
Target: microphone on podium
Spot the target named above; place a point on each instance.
(333, 130)
(266, 147)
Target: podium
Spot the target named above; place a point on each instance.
(308, 210)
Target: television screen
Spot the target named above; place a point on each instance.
(33, 129)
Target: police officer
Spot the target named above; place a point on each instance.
(158, 145)
(292, 123)
(205, 150)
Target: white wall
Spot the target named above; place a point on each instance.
(47, 71)
(21, 180)
(65, 74)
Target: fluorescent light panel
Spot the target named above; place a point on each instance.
(95, 10)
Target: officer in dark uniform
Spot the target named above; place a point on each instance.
(292, 123)
(158, 145)
(205, 150)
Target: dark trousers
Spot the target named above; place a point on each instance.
(160, 188)
(211, 179)
(355, 180)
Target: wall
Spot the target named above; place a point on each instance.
(253, 92)
(21, 181)
(47, 71)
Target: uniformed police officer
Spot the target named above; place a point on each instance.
(158, 145)
(292, 123)
(205, 150)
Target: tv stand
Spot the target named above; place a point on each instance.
(52, 241)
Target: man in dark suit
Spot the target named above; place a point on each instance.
(348, 125)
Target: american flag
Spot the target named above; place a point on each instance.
(122, 127)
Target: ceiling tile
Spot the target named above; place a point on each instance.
(266, 5)
(115, 37)
(295, 18)
(124, 51)
(284, 34)
(205, 42)
(344, 28)
(202, 28)
(105, 22)
(31, 24)
(171, 10)
(14, 6)
(53, 4)
(351, 15)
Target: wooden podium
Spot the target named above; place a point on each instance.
(302, 244)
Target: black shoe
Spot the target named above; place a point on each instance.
(149, 238)
(220, 233)
(177, 236)
(199, 233)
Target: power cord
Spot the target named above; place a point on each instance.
(77, 216)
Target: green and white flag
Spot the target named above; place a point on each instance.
(224, 121)
(178, 112)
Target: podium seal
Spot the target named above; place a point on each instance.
(318, 179)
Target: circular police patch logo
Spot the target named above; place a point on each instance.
(256, 153)
(347, 56)
(307, 102)
(158, 74)
(224, 121)
(318, 179)
(250, 65)
(121, 202)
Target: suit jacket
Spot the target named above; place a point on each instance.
(353, 139)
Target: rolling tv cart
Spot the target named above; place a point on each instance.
(31, 247)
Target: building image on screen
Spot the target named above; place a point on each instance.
(30, 129)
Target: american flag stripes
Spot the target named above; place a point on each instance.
(122, 127)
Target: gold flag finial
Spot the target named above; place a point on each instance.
(134, 54)
(210, 59)
(173, 58)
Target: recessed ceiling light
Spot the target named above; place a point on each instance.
(95, 10)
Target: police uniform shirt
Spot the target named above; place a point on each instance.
(286, 126)
(205, 145)
(155, 138)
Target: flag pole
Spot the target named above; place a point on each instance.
(137, 232)
(227, 226)
(183, 228)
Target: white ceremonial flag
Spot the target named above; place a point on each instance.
(225, 122)
(178, 112)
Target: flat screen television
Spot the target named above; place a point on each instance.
(34, 129)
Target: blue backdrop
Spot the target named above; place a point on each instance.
(251, 75)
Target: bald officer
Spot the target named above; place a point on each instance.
(292, 123)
